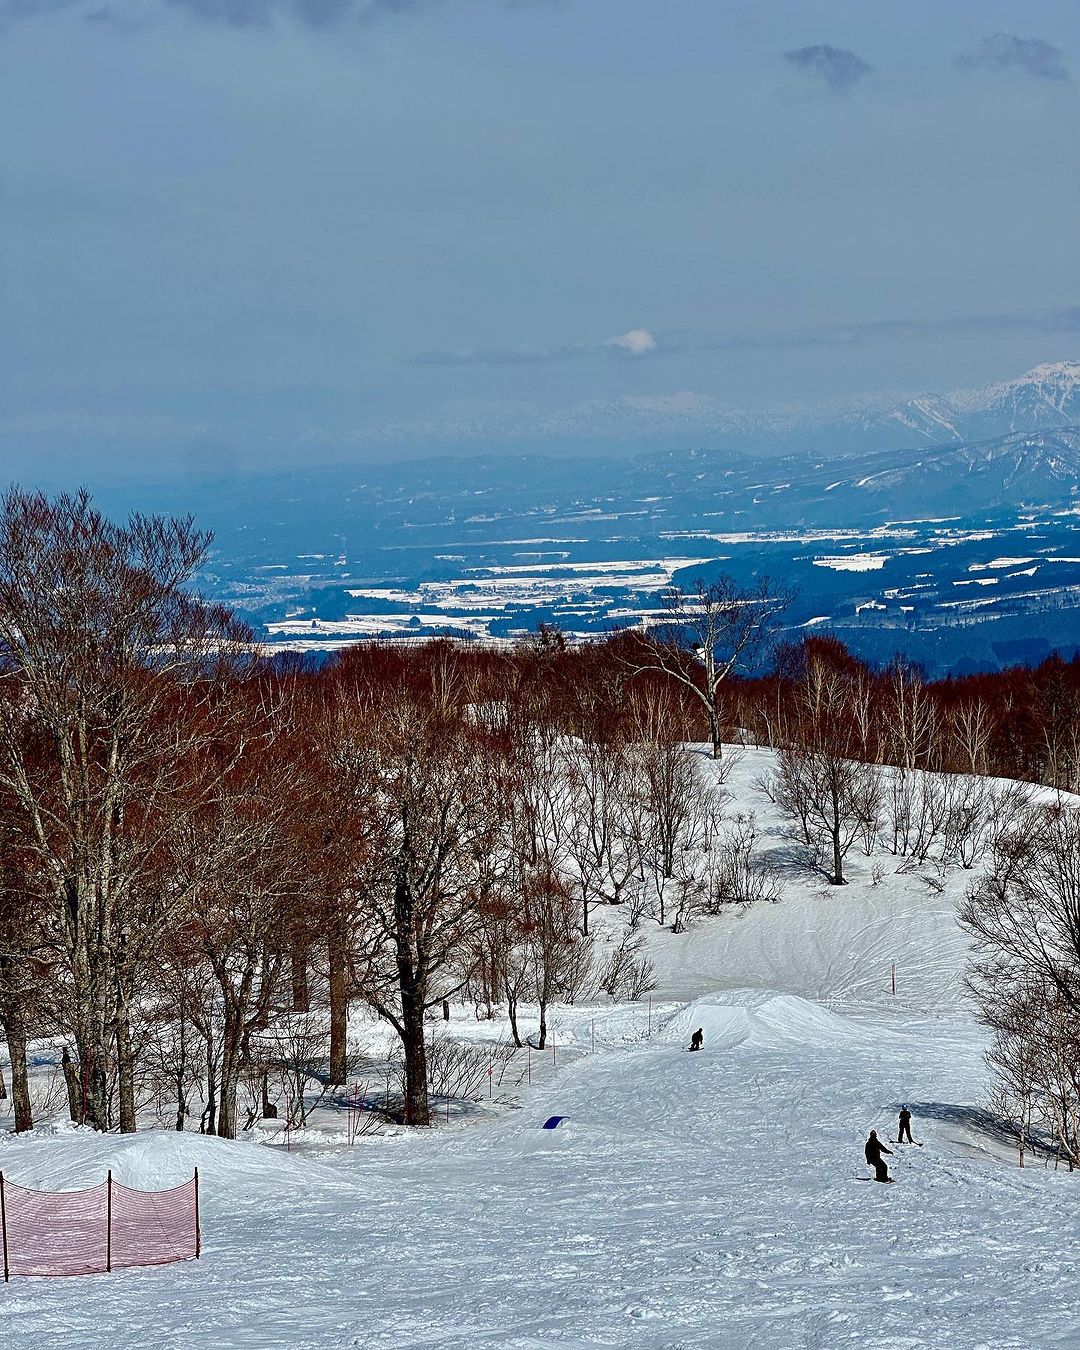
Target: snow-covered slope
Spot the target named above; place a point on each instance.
(705, 1200)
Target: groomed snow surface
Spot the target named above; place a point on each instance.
(705, 1200)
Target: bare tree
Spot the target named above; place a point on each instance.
(708, 634)
(105, 658)
(912, 722)
(600, 839)
(1024, 916)
(23, 947)
(820, 777)
(242, 869)
(972, 726)
(558, 951)
(1025, 911)
(440, 782)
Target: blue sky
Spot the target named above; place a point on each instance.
(275, 232)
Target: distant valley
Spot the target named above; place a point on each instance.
(963, 553)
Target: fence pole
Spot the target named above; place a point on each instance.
(198, 1229)
(894, 977)
(108, 1221)
(3, 1225)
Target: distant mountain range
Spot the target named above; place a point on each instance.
(1044, 398)
(1047, 396)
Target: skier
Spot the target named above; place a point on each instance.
(874, 1149)
(697, 1040)
(905, 1127)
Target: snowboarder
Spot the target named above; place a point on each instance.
(905, 1127)
(697, 1040)
(874, 1149)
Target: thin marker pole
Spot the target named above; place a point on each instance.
(198, 1227)
(3, 1225)
(894, 977)
(108, 1221)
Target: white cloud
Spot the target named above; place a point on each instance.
(637, 342)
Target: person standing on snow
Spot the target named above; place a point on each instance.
(873, 1151)
(697, 1040)
(905, 1127)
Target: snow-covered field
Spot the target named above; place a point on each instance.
(701, 1200)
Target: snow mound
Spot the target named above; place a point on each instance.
(154, 1160)
(763, 1019)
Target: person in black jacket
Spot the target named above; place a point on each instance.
(697, 1040)
(905, 1127)
(874, 1149)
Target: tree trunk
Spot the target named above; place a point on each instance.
(209, 1120)
(15, 1031)
(417, 1108)
(511, 1012)
(298, 961)
(412, 988)
(339, 1006)
(125, 1054)
(93, 1082)
(714, 731)
(542, 1038)
(181, 1072)
(269, 1109)
(125, 1073)
(230, 1076)
(71, 1081)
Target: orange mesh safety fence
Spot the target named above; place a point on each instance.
(103, 1228)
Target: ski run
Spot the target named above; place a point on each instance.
(701, 1200)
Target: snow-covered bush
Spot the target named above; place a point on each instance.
(737, 875)
(628, 973)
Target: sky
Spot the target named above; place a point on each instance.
(266, 233)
